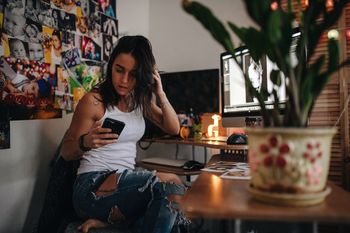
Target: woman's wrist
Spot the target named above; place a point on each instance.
(82, 146)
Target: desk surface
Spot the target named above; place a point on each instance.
(191, 141)
(213, 197)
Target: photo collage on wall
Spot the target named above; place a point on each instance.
(52, 53)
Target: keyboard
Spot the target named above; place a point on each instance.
(165, 161)
(218, 139)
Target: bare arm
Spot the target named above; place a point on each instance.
(164, 116)
(86, 121)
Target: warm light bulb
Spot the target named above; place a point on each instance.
(274, 6)
(333, 34)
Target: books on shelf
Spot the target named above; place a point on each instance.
(229, 170)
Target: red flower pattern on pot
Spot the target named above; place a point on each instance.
(276, 150)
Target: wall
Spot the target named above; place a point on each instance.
(179, 43)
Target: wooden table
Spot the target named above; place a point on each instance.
(190, 141)
(215, 198)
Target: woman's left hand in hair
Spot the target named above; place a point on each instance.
(158, 88)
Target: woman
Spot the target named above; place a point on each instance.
(107, 188)
(56, 47)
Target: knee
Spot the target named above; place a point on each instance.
(169, 178)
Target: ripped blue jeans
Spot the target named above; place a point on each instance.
(140, 197)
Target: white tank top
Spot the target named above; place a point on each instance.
(121, 154)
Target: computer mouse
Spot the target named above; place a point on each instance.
(237, 139)
(193, 165)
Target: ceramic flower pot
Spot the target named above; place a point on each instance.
(289, 165)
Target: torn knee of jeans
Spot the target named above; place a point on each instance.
(115, 215)
(152, 180)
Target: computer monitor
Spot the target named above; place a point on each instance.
(196, 89)
(238, 105)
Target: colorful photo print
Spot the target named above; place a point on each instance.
(18, 48)
(68, 6)
(90, 49)
(4, 132)
(82, 25)
(63, 81)
(85, 75)
(64, 101)
(28, 92)
(107, 46)
(52, 46)
(14, 21)
(110, 25)
(32, 10)
(107, 7)
(71, 58)
(33, 31)
(66, 21)
(25, 77)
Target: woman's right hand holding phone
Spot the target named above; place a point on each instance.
(98, 136)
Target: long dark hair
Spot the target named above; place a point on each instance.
(141, 49)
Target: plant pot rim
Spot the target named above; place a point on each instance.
(307, 130)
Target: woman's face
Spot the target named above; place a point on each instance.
(31, 31)
(56, 42)
(124, 74)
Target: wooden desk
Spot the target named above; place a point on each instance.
(216, 198)
(191, 142)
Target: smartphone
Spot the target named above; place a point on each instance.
(116, 126)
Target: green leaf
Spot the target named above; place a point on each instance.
(253, 39)
(275, 77)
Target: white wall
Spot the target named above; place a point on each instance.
(179, 43)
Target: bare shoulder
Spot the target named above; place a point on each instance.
(91, 105)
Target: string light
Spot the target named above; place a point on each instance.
(274, 6)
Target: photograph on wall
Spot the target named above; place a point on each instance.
(33, 32)
(47, 17)
(4, 132)
(69, 6)
(86, 75)
(32, 10)
(70, 40)
(14, 20)
(107, 47)
(108, 8)
(109, 25)
(66, 21)
(28, 90)
(52, 45)
(90, 49)
(64, 102)
(36, 51)
(71, 58)
(18, 48)
(82, 25)
(94, 20)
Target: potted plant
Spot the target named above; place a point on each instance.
(289, 161)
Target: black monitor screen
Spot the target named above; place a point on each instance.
(198, 89)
